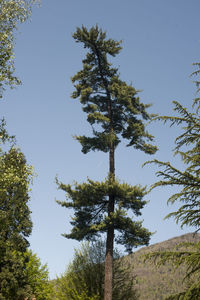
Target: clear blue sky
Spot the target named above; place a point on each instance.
(161, 41)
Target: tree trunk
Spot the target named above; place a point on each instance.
(108, 283)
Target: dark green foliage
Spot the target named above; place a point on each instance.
(90, 201)
(23, 276)
(15, 222)
(113, 104)
(96, 84)
(188, 148)
(115, 112)
(15, 177)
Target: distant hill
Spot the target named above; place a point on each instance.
(155, 283)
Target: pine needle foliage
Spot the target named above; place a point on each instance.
(90, 204)
(114, 112)
(108, 101)
(188, 148)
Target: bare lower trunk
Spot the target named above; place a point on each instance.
(109, 265)
(108, 283)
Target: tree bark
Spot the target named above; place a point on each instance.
(108, 283)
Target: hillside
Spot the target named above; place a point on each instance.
(155, 283)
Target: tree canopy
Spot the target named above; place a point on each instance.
(38, 277)
(108, 101)
(15, 223)
(90, 200)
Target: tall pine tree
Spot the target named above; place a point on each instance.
(115, 112)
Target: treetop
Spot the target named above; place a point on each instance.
(110, 103)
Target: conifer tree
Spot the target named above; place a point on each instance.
(115, 112)
(188, 148)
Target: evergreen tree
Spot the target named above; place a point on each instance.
(15, 223)
(115, 112)
(188, 148)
